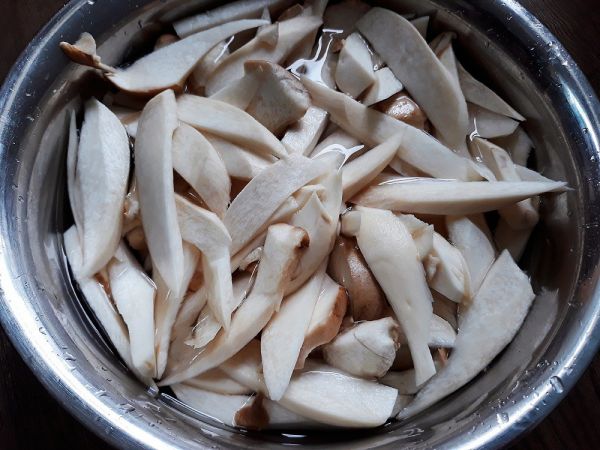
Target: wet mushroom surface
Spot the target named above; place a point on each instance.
(302, 236)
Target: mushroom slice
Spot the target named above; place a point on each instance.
(385, 85)
(515, 241)
(479, 94)
(215, 380)
(391, 254)
(488, 124)
(280, 256)
(326, 318)
(169, 67)
(354, 72)
(347, 267)
(344, 15)
(441, 334)
(291, 34)
(487, 326)
(320, 220)
(253, 206)
(96, 297)
(471, 236)
(205, 230)
(84, 52)
(421, 24)
(518, 144)
(404, 109)
(101, 169)
(451, 276)
(154, 178)
(418, 148)
(522, 215)
(239, 162)
(366, 350)
(240, 93)
(133, 293)
(231, 11)
(359, 172)
(196, 160)
(404, 381)
(215, 117)
(407, 54)
(207, 327)
(280, 100)
(167, 303)
(72, 182)
(336, 140)
(282, 338)
(421, 232)
(207, 64)
(302, 137)
(426, 196)
(351, 402)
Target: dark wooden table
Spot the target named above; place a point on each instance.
(31, 419)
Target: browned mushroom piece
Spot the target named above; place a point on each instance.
(348, 267)
(403, 108)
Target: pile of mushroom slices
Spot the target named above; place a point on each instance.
(302, 240)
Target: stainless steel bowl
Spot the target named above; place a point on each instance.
(53, 332)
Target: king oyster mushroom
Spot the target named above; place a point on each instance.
(354, 72)
(503, 298)
(385, 85)
(366, 350)
(302, 137)
(281, 253)
(347, 267)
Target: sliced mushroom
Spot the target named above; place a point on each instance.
(280, 100)
(281, 254)
(488, 124)
(441, 334)
(351, 402)
(167, 303)
(428, 196)
(231, 11)
(251, 209)
(154, 178)
(471, 236)
(302, 137)
(418, 148)
(385, 85)
(239, 162)
(404, 381)
(207, 65)
(451, 276)
(344, 15)
(133, 293)
(101, 169)
(404, 109)
(205, 230)
(84, 52)
(129, 118)
(421, 232)
(347, 267)
(421, 24)
(354, 72)
(196, 160)
(291, 34)
(240, 93)
(518, 144)
(479, 94)
(361, 171)
(215, 380)
(522, 215)
(366, 350)
(392, 255)
(487, 326)
(326, 318)
(282, 338)
(407, 54)
(215, 117)
(98, 300)
(336, 140)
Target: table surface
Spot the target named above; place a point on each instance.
(30, 418)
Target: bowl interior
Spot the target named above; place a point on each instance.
(501, 43)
